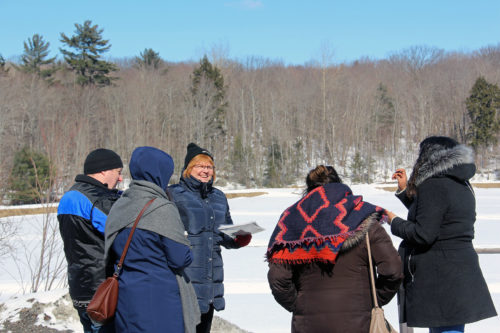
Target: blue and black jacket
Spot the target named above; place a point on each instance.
(82, 215)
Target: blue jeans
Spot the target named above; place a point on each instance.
(448, 329)
(90, 327)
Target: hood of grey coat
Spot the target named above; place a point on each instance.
(161, 217)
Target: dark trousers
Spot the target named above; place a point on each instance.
(90, 327)
(447, 329)
(206, 321)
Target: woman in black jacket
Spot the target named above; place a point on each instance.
(444, 288)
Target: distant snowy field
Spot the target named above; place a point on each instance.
(249, 303)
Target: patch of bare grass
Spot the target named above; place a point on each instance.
(387, 188)
(477, 185)
(27, 211)
(486, 185)
(245, 194)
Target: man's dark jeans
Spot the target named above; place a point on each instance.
(90, 327)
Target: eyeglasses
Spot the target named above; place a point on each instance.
(208, 167)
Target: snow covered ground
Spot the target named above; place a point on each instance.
(249, 303)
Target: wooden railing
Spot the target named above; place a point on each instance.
(487, 250)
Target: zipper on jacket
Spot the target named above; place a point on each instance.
(409, 267)
(470, 188)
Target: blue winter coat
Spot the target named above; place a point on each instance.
(154, 295)
(149, 298)
(203, 208)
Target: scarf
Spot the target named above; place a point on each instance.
(315, 227)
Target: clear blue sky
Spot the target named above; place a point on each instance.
(292, 31)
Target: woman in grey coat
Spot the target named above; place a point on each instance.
(443, 288)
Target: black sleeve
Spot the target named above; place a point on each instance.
(404, 198)
(430, 210)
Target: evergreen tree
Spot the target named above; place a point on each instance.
(483, 105)
(240, 155)
(273, 176)
(356, 167)
(208, 92)
(297, 158)
(30, 178)
(238, 159)
(385, 106)
(34, 58)
(149, 59)
(383, 116)
(86, 60)
(361, 169)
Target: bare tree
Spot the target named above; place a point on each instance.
(8, 230)
(319, 112)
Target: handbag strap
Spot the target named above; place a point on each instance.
(372, 276)
(125, 249)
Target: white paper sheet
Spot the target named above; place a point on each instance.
(234, 230)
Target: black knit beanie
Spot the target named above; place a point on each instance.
(101, 160)
(193, 150)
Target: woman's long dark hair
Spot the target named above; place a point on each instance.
(427, 148)
(320, 176)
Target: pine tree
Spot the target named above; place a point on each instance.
(240, 155)
(383, 116)
(34, 59)
(208, 92)
(361, 169)
(297, 158)
(86, 60)
(149, 59)
(273, 176)
(483, 105)
(30, 178)
(385, 106)
(357, 167)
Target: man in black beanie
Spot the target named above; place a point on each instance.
(82, 215)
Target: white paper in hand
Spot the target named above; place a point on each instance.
(234, 230)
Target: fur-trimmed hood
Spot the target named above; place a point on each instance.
(457, 162)
(360, 234)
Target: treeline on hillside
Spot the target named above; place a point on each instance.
(265, 122)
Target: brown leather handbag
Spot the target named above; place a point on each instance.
(378, 323)
(102, 307)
